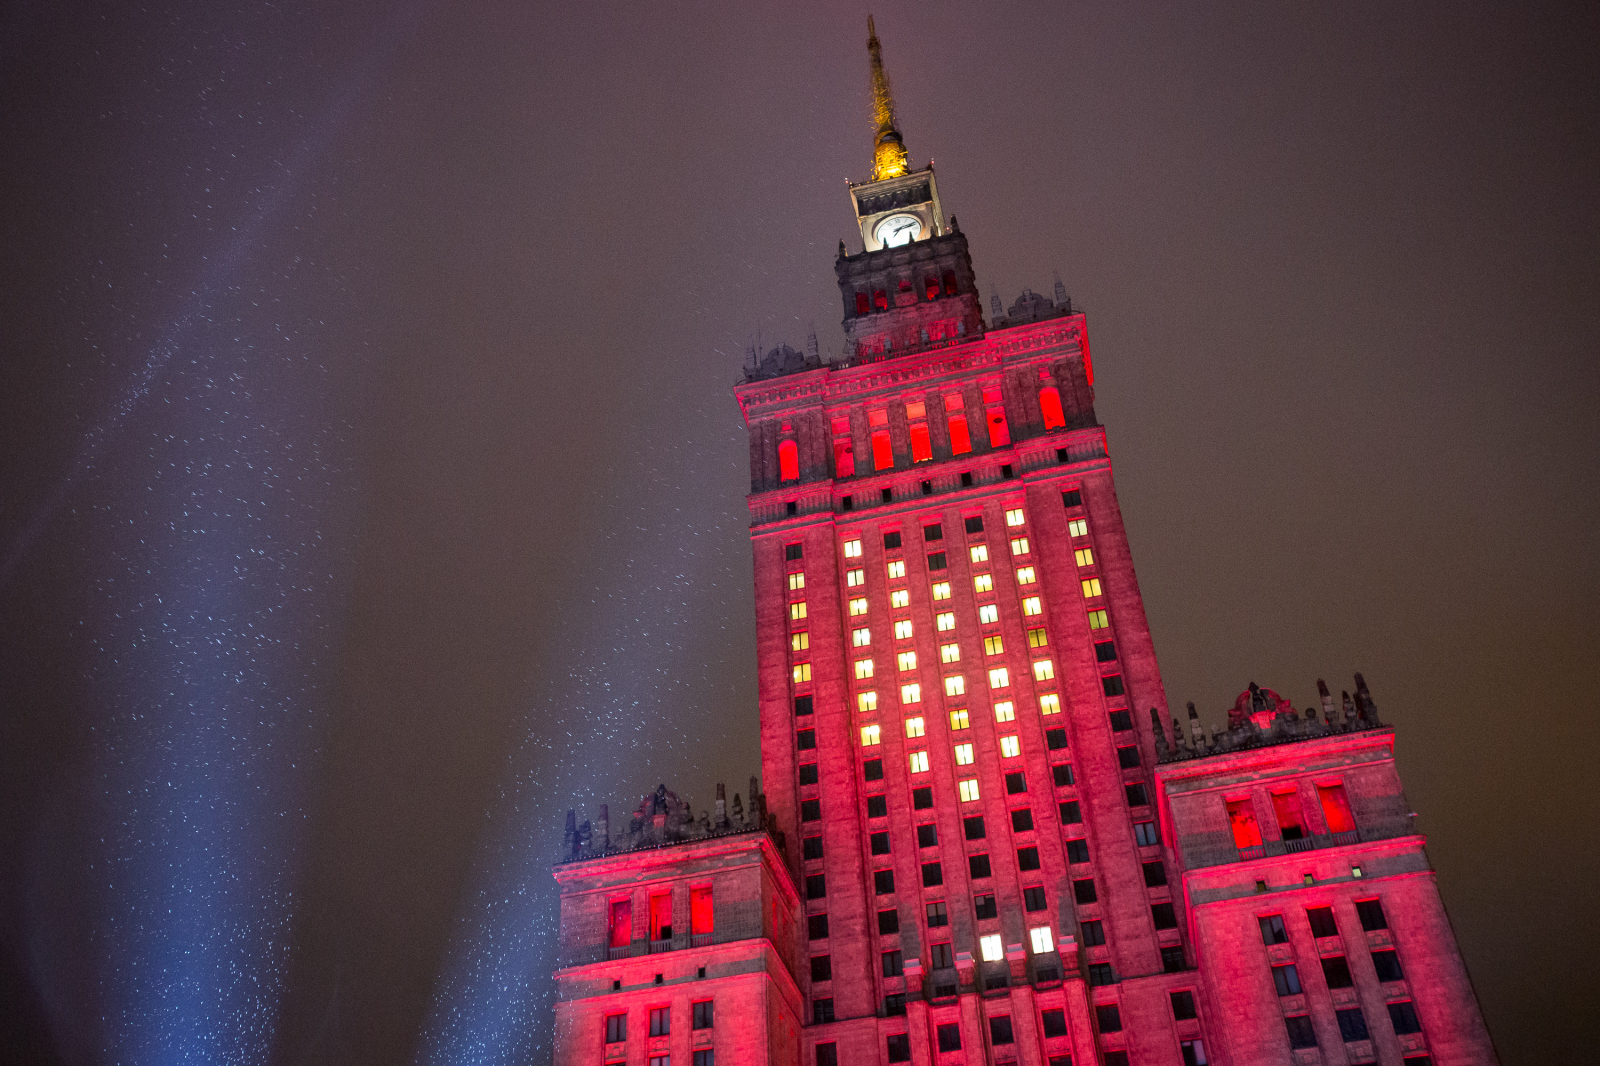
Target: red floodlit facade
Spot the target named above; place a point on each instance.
(999, 852)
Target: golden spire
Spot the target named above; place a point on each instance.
(888, 151)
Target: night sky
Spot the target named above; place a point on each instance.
(372, 485)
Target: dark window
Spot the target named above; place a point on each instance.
(891, 540)
(1155, 875)
(821, 1011)
(661, 1021)
(941, 956)
(792, 552)
(822, 967)
(863, 306)
(808, 773)
(1163, 916)
(1055, 1022)
(1194, 1052)
(810, 810)
(1083, 891)
(811, 848)
(702, 1014)
(1021, 820)
(975, 524)
(984, 907)
(978, 866)
(1116, 1058)
(1301, 1034)
(793, 506)
(1100, 973)
(966, 477)
(828, 1054)
(1322, 923)
(1055, 740)
(933, 532)
(950, 1037)
(1113, 686)
(1073, 498)
(1105, 651)
(1060, 1060)
(936, 561)
(1272, 930)
(883, 881)
(849, 503)
(1417, 1060)
(888, 922)
(1286, 979)
(1016, 781)
(805, 739)
(921, 798)
(1094, 933)
(936, 915)
(1005, 471)
(949, 282)
(880, 843)
(816, 886)
(973, 827)
(894, 1005)
(872, 770)
(1172, 960)
(616, 1028)
(893, 964)
(927, 835)
(899, 1048)
(1404, 1017)
(1027, 858)
(1136, 794)
(877, 807)
(1336, 971)
(1033, 898)
(1371, 913)
(817, 926)
(1077, 850)
(932, 874)
(1000, 1030)
(1108, 1018)
(1070, 813)
(1144, 834)
(705, 1057)
(1128, 757)
(1182, 1005)
(1121, 721)
(802, 705)
(1352, 1025)
(1387, 963)
(886, 495)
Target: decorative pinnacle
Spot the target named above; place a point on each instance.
(888, 150)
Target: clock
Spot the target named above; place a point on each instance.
(896, 230)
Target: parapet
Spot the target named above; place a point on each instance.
(1261, 718)
(662, 819)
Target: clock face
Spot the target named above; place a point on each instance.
(896, 230)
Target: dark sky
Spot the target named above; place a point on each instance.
(372, 484)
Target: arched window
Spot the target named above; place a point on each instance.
(863, 305)
(880, 300)
(931, 285)
(949, 282)
(1050, 407)
(788, 461)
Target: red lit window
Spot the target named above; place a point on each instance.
(621, 923)
(1286, 805)
(1050, 407)
(880, 299)
(863, 305)
(788, 460)
(960, 442)
(921, 449)
(1336, 808)
(932, 286)
(882, 453)
(844, 459)
(905, 285)
(949, 283)
(999, 433)
(700, 914)
(661, 917)
(1242, 820)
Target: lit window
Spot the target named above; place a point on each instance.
(852, 578)
(955, 686)
(1084, 556)
(988, 614)
(964, 755)
(914, 727)
(858, 606)
(800, 641)
(1010, 747)
(1041, 938)
(999, 677)
(902, 629)
(941, 590)
(993, 645)
(1049, 703)
(980, 553)
(788, 460)
(1091, 588)
(797, 610)
(1019, 545)
(983, 582)
(797, 580)
(958, 720)
(1025, 575)
(917, 409)
(910, 693)
(869, 736)
(1032, 606)
(867, 701)
(991, 948)
(860, 638)
(802, 672)
(969, 790)
(1005, 712)
(863, 669)
(949, 653)
(919, 762)
(1037, 638)
(945, 622)
(852, 549)
(1077, 527)
(908, 660)
(897, 568)
(1044, 670)
(1098, 620)
(899, 598)
(1014, 517)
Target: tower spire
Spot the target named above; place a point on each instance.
(888, 150)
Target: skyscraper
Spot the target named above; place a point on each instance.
(999, 852)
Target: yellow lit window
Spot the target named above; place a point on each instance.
(1010, 747)
(908, 660)
(797, 610)
(800, 641)
(869, 736)
(1098, 620)
(910, 693)
(1005, 712)
(914, 728)
(958, 720)
(983, 582)
(899, 598)
(963, 754)
(852, 549)
(1091, 588)
(1037, 638)
(980, 553)
(1049, 703)
(852, 578)
(955, 686)
(1032, 606)
(1044, 670)
(1077, 527)
(999, 677)
(897, 568)
(797, 580)
(1014, 517)
(1041, 940)
(802, 672)
(919, 762)
(1019, 545)
(867, 701)
(1025, 575)
(949, 653)
(991, 948)
(858, 606)
(860, 638)
(1084, 556)
(969, 790)
(994, 645)
(863, 669)
(945, 622)
(941, 590)
(902, 629)
(988, 614)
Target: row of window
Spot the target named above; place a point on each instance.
(702, 916)
(1290, 816)
(701, 1015)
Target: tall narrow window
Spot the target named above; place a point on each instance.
(788, 460)
(700, 912)
(863, 303)
(1242, 820)
(621, 923)
(661, 916)
(999, 432)
(844, 458)
(949, 282)
(921, 446)
(1336, 808)
(1050, 407)
(882, 453)
(1286, 805)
